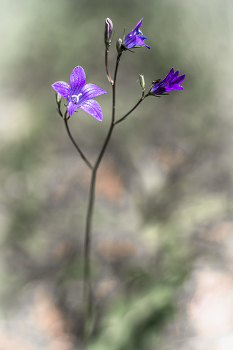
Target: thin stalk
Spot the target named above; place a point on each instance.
(126, 115)
(76, 146)
(106, 66)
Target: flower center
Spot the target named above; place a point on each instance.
(138, 32)
(75, 98)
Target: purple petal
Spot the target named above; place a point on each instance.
(90, 91)
(171, 73)
(71, 108)
(178, 80)
(174, 76)
(133, 40)
(62, 88)
(143, 37)
(129, 41)
(139, 41)
(164, 82)
(149, 47)
(77, 79)
(138, 25)
(174, 87)
(159, 89)
(93, 108)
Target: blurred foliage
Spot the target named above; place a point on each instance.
(170, 162)
(136, 324)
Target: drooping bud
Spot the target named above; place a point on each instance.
(108, 32)
(119, 45)
(58, 99)
(142, 81)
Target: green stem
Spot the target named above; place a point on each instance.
(87, 268)
(87, 293)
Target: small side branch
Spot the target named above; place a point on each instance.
(107, 70)
(126, 115)
(75, 144)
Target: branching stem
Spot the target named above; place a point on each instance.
(87, 289)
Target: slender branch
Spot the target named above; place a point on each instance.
(87, 249)
(106, 66)
(65, 118)
(126, 115)
(75, 144)
(113, 116)
(60, 112)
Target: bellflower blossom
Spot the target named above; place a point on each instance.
(170, 82)
(78, 95)
(135, 38)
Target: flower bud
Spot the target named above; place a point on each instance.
(119, 45)
(58, 98)
(142, 81)
(108, 32)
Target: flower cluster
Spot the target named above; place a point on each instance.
(81, 96)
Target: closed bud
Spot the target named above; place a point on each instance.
(142, 81)
(108, 32)
(58, 98)
(119, 45)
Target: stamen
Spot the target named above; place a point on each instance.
(75, 98)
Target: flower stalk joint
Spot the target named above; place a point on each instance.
(119, 46)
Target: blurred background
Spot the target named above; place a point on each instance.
(163, 226)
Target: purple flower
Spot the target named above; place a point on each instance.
(135, 38)
(78, 95)
(170, 82)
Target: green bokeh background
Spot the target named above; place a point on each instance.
(173, 157)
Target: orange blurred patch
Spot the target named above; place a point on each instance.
(109, 184)
(114, 250)
(63, 249)
(171, 157)
(105, 287)
(51, 321)
(218, 233)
